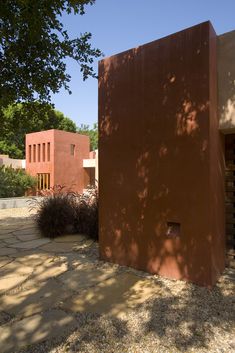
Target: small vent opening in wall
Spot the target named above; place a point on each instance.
(173, 229)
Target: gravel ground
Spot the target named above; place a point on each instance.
(181, 318)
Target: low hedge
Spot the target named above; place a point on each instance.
(15, 182)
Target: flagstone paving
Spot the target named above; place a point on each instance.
(31, 244)
(70, 238)
(13, 268)
(42, 280)
(4, 260)
(30, 291)
(85, 277)
(116, 296)
(38, 298)
(46, 284)
(34, 329)
(4, 251)
(10, 282)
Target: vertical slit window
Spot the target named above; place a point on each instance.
(43, 152)
(39, 152)
(34, 153)
(72, 150)
(48, 151)
(30, 153)
(39, 188)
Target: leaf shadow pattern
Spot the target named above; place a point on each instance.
(192, 318)
(157, 122)
(180, 316)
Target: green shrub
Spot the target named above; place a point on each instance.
(15, 182)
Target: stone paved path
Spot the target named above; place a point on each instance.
(44, 282)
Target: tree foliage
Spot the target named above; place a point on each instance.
(34, 45)
(15, 182)
(91, 132)
(22, 118)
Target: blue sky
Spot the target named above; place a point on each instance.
(117, 25)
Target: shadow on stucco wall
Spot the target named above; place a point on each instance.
(158, 137)
(226, 81)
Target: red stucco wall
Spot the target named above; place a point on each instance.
(40, 167)
(64, 168)
(69, 169)
(161, 158)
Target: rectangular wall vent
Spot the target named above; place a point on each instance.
(173, 229)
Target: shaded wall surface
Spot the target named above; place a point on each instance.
(158, 121)
(226, 81)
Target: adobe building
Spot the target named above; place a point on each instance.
(167, 155)
(58, 157)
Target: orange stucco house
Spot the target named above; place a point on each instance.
(60, 157)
